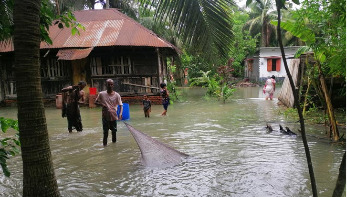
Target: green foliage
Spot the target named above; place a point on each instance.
(6, 19)
(290, 113)
(202, 24)
(213, 88)
(243, 43)
(47, 17)
(175, 93)
(322, 25)
(261, 14)
(227, 92)
(203, 80)
(8, 146)
(217, 86)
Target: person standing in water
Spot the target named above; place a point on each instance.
(109, 100)
(269, 88)
(72, 96)
(146, 104)
(165, 98)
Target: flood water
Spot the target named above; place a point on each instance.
(231, 154)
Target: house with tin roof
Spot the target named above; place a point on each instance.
(112, 46)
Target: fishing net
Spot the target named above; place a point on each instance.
(155, 153)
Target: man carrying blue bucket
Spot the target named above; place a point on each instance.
(109, 100)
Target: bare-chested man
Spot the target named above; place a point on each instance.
(72, 96)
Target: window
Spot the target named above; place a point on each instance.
(121, 65)
(118, 65)
(51, 68)
(273, 64)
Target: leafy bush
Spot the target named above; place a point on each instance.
(8, 146)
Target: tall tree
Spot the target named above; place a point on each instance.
(38, 173)
(261, 14)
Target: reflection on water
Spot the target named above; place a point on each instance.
(231, 152)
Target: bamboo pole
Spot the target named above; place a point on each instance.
(330, 108)
(306, 94)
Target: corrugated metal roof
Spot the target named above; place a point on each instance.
(73, 54)
(107, 27)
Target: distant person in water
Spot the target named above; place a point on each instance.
(146, 104)
(72, 96)
(165, 97)
(269, 88)
(109, 100)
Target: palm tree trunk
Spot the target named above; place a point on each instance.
(263, 34)
(38, 172)
(296, 102)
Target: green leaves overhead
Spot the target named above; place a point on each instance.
(281, 3)
(322, 26)
(301, 31)
(203, 24)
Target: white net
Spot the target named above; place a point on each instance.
(155, 153)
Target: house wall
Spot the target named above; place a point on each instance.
(79, 72)
(142, 68)
(252, 73)
(8, 82)
(55, 74)
(136, 72)
(266, 52)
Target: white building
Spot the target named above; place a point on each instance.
(267, 61)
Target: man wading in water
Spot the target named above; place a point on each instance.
(72, 96)
(109, 100)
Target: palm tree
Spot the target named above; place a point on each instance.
(38, 173)
(261, 15)
(203, 24)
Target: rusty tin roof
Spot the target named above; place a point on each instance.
(107, 27)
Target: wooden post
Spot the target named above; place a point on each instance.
(165, 72)
(160, 70)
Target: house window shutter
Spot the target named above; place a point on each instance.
(278, 64)
(269, 65)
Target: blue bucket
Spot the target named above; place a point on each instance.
(126, 111)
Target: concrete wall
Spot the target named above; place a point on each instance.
(266, 52)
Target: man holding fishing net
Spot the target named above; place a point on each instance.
(109, 100)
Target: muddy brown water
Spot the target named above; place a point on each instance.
(231, 154)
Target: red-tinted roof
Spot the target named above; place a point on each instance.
(73, 54)
(107, 27)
